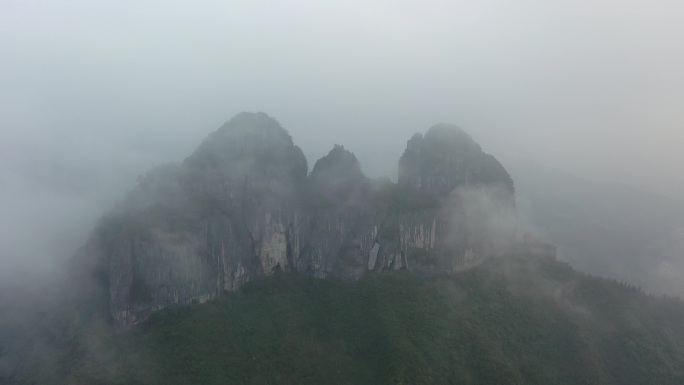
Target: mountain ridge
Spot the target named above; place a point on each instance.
(243, 205)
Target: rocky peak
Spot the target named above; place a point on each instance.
(339, 164)
(241, 206)
(253, 155)
(250, 143)
(338, 167)
(336, 178)
(445, 158)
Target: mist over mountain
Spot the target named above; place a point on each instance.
(605, 228)
(238, 263)
(242, 206)
(347, 236)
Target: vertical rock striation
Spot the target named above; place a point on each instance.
(242, 206)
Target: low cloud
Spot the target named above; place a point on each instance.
(484, 216)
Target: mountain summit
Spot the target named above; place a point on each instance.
(242, 206)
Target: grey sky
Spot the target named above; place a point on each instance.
(94, 93)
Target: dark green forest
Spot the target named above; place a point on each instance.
(520, 320)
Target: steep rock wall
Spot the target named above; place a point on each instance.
(242, 207)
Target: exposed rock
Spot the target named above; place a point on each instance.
(241, 206)
(445, 158)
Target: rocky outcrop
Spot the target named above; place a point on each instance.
(242, 206)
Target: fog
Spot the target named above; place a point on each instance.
(95, 94)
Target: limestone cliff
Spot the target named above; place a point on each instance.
(242, 206)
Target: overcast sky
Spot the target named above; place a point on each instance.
(93, 93)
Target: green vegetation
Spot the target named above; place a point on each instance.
(516, 321)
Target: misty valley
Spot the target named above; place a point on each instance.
(241, 264)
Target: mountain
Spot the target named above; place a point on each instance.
(242, 206)
(605, 228)
(425, 281)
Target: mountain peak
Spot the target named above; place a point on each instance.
(340, 163)
(447, 157)
(251, 144)
(242, 206)
(245, 121)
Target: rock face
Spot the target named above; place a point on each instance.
(447, 157)
(242, 206)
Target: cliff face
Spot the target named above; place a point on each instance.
(242, 206)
